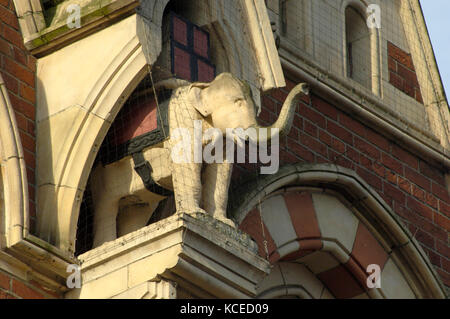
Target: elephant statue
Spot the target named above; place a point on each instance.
(225, 103)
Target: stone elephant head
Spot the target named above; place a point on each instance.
(227, 102)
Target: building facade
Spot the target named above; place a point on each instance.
(360, 204)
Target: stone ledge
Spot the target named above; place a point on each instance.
(153, 232)
(34, 259)
(190, 249)
(95, 15)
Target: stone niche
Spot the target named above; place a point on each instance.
(71, 126)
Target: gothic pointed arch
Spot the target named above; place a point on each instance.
(30, 16)
(13, 179)
(123, 53)
(59, 207)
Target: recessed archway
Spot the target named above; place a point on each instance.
(356, 13)
(327, 221)
(67, 151)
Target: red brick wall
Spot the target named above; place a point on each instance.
(14, 288)
(18, 69)
(402, 73)
(415, 190)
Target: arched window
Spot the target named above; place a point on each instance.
(358, 47)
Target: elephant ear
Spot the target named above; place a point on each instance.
(198, 102)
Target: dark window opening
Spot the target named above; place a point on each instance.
(358, 46)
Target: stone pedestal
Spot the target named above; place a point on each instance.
(180, 257)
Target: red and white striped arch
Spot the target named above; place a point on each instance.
(320, 232)
(321, 226)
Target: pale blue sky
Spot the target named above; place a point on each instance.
(437, 17)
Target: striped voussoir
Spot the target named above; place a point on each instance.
(318, 231)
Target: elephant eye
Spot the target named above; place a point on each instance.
(239, 101)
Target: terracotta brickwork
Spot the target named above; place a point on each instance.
(14, 288)
(18, 69)
(414, 189)
(402, 73)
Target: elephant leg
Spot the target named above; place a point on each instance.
(105, 221)
(187, 187)
(217, 179)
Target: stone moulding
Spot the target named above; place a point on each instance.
(375, 48)
(20, 247)
(13, 172)
(94, 16)
(198, 252)
(30, 16)
(42, 40)
(158, 289)
(264, 42)
(437, 106)
(405, 249)
(58, 219)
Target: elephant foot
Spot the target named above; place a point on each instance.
(226, 221)
(220, 217)
(191, 211)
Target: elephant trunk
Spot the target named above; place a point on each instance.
(284, 122)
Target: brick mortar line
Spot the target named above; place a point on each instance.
(337, 122)
(15, 76)
(374, 160)
(22, 50)
(403, 65)
(28, 285)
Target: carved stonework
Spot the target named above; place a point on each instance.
(2, 213)
(183, 255)
(161, 289)
(223, 104)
